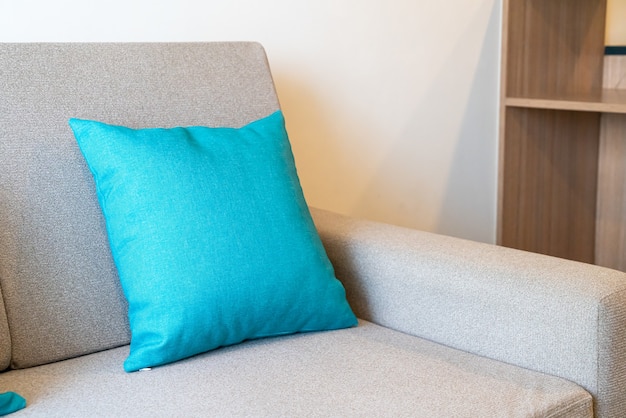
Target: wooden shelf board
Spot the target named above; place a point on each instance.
(607, 101)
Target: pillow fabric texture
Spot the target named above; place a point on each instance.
(11, 402)
(211, 235)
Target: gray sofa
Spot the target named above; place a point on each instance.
(447, 327)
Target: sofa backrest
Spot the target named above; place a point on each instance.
(61, 292)
(5, 338)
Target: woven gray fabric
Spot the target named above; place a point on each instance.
(547, 314)
(5, 339)
(61, 291)
(364, 371)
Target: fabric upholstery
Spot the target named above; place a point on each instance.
(363, 371)
(547, 314)
(56, 272)
(5, 338)
(211, 235)
(61, 291)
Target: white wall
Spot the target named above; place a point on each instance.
(616, 22)
(391, 106)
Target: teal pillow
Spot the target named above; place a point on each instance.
(11, 402)
(211, 235)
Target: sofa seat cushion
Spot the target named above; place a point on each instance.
(364, 371)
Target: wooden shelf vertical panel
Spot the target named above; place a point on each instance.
(611, 216)
(550, 182)
(611, 211)
(554, 47)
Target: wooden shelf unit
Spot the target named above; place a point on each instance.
(554, 196)
(605, 101)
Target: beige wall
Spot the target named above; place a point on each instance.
(616, 22)
(391, 105)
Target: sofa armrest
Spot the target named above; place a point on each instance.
(547, 314)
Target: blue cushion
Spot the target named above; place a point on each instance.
(11, 402)
(211, 235)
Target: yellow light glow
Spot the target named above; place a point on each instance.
(616, 23)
